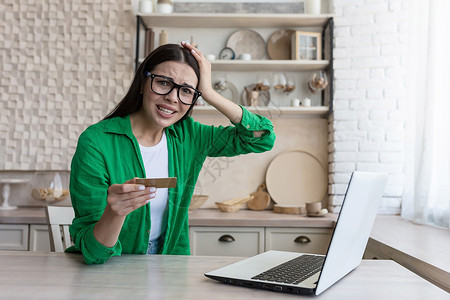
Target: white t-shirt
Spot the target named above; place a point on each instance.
(156, 163)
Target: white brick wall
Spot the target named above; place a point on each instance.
(367, 127)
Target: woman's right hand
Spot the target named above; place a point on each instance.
(230, 109)
(205, 71)
(124, 198)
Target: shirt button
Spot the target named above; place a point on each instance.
(248, 126)
(148, 231)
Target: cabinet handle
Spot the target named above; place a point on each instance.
(302, 239)
(226, 238)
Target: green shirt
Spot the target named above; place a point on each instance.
(108, 153)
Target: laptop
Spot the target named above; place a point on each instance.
(283, 271)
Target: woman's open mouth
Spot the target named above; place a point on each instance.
(165, 110)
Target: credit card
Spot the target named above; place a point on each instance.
(169, 182)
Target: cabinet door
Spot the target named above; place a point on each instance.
(39, 238)
(226, 241)
(13, 237)
(305, 240)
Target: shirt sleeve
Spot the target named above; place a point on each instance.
(239, 139)
(88, 191)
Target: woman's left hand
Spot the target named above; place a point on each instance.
(205, 70)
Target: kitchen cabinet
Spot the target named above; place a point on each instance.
(14, 237)
(212, 232)
(304, 240)
(200, 25)
(39, 238)
(249, 241)
(24, 237)
(246, 232)
(226, 241)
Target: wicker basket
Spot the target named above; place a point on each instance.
(233, 205)
(197, 201)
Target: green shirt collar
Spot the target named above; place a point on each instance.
(122, 125)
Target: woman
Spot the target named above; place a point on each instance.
(150, 134)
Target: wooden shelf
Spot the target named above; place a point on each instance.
(211, 21)
(269, 65)
(272, 111)
(234, 20)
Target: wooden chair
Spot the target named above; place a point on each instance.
(58, 219)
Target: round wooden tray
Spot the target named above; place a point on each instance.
(296, 177)
(289, 209)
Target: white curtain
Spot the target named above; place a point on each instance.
(426, 197)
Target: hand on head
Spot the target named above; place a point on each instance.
(205, 69)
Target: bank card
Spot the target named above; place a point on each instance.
(169, 182)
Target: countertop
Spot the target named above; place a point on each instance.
(266, 218)
(34, 275)
(23, 215)
(200, 217)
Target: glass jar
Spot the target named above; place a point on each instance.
(50, 186)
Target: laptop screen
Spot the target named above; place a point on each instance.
(353, 227)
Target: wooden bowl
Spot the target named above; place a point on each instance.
(197, 201)
(229, 208)
(233, 205)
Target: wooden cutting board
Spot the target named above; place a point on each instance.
(296, 177)
(261, 199)
(288, 209)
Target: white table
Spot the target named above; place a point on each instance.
(33, 275)
(422, 249)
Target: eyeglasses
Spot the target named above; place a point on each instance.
(163, 85)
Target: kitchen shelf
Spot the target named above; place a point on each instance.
(274, 111)
(222, 20)
(192, 20)
(269, 65)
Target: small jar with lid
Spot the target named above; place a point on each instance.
(164, 6)
(146, 6)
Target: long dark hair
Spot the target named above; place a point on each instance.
(132, 101)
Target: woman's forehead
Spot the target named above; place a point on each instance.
(180, 72)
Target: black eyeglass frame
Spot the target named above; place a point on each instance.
(197, 93)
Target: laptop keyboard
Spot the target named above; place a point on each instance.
(293, 271)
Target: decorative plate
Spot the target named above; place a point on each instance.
(279, 44)
(296, 177)
(247, 41)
